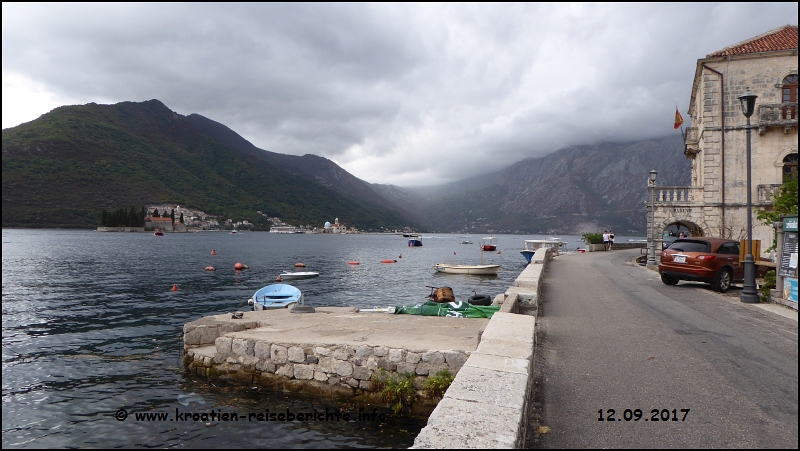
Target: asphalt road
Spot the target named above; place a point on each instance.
(612, 336)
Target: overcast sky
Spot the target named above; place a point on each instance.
(407, 94)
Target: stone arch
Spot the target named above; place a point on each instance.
(783, 154)
(676, 226)
(783, 75)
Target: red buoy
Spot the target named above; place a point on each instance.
(388, 261)
(174, 287)
(299, 265)
(210, 268)
(238, 266)
(213, 252)
(353, 263)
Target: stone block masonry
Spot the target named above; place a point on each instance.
(329, 353)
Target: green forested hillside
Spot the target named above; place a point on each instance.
(64, 168)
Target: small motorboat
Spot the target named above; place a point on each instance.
(275, 296)
(298, 275)
(414, 240)
(531, 246)
(489, 243)
(158, 232)
(466, 240)
(476, 270)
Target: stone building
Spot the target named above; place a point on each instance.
(716, 203)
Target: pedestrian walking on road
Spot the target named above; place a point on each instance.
(610, 239)
(605, 239)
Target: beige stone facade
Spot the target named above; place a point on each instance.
(716, 203)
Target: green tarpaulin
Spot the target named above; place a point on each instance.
(452, 309)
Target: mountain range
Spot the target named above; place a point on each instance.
(64, 168)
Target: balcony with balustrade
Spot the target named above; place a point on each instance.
(677, 196)
(766, 194)
(782, 115)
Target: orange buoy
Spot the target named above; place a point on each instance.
(454, 252)
(210, 268)
(174, 287)
(299, 265)
(400, 256)
(353, 263)
(213, 252)
(388, 261)
(238, 266)
(498, 252)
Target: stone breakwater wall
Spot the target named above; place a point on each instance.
(221, 350)
(487, 404)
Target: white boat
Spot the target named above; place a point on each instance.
(477, 270)
(466, 240)
(275, 296)
(531, 246)
(297, 275)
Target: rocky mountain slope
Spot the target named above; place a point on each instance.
(64, 168)
(576, 189)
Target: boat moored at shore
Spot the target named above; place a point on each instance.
(531, 246)
(275, 296)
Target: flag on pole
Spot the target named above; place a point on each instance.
(678, 119)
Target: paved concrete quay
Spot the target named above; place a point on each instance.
(346, 326)
(333, 352)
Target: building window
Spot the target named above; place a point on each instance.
(789, 95)
(789, 167)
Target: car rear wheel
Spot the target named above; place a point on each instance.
(668, 280)
(723, 280)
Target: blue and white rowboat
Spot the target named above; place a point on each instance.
(275, 296)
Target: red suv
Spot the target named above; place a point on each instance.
(704, 259)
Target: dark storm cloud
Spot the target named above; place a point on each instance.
(393, 93)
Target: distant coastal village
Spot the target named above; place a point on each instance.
(175, 218)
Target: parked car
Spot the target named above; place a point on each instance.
(703, 259)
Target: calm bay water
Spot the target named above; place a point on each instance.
(90, 326)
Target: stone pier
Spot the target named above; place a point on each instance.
(336, 351)
(333, 352)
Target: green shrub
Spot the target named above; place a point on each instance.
(593, 238)
(397, 390)
(769, 284)
(436, 385)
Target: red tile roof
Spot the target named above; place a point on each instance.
(783, 38)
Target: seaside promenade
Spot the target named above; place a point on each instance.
(612, 338)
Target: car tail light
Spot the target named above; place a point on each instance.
(706, 257)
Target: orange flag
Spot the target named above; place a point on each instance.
(678, 119)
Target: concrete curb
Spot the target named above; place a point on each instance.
(486, 406)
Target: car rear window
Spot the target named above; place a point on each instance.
(690, 246)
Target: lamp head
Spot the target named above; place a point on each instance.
(653, 175)
(748, 100)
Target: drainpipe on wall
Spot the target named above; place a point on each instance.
(722, 132)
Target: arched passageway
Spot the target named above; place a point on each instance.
(673, 230)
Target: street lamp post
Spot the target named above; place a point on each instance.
(749, 293)
(651, 254)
